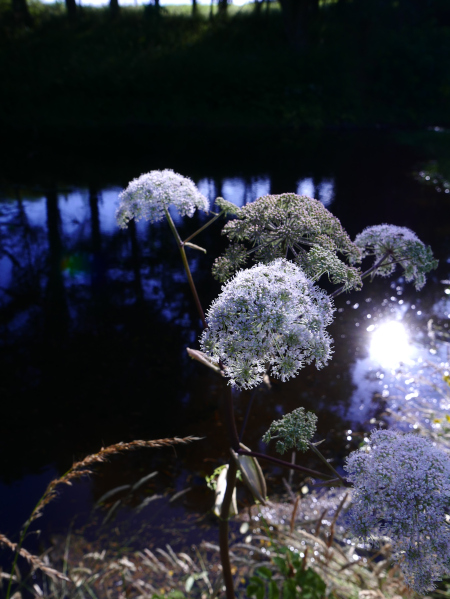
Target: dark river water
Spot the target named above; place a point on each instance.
(94, 321)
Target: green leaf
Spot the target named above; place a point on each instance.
(256, 588)
(264, 572)
(252, 474)
(274, 593)
(281, 564)
(313, 587)
(289, 590)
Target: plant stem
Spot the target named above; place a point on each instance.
(247, 413)
(363, 276)
(186, 268)
(223, 530)
(325, 461)
(210, 222)
(269, 458)
(230, 423)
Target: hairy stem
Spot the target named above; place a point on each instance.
(186, 268)
(269, 458)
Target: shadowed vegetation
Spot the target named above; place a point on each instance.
(356, 64)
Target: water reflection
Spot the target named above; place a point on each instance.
(323, 190)
(389, 345)
(95, 320)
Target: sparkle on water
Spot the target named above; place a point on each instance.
(389, 345)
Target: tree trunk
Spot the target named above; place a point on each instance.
(57, 314)
(258, 5)
(72, 9)
(296, 16)
(21, 13)
(114, 7)
(194, 8)
(222, 6)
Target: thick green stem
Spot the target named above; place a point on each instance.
(186, 268)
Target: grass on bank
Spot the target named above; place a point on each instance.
(169, 69)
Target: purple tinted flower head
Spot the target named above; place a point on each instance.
(401, 247)
(401, 492)
(270, 315)
(151, 194)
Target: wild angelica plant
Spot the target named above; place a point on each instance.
(289, 225)
(273, 318)
(402, 493)
(293, 431)
(392, 246)
(269, 317)
(150, 195)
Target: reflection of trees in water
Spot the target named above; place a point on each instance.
(24, 247)
(122, 371)
(105, 351)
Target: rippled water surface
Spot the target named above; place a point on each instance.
(94, 321)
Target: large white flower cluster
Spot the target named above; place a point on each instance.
(270, 315)
(400, 246)
(148, 196)
(402, 492)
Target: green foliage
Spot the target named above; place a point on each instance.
(172, 595)
(294, 430)
(291, 581)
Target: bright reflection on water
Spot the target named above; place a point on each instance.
(323, 191)
(390, 345)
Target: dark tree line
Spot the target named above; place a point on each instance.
(299, 15)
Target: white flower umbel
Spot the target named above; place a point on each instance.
(398, 245)
(402, 492)
(149, 195)
(270, 315)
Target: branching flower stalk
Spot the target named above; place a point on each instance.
(365, 274)
(150, 195)
(184, 259)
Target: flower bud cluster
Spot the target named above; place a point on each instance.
(400, 246)
(268, 316)
(294, 430)
(149, 195)
(402, 492)
(278, 226)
